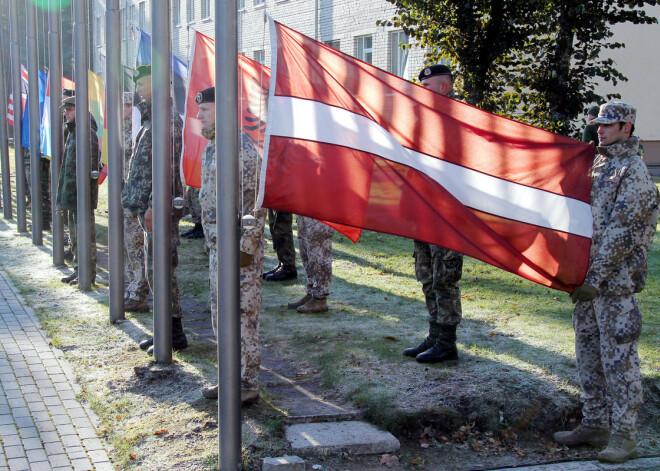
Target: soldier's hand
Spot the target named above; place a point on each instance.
(246, 259)
(148, 220)
(584, 293)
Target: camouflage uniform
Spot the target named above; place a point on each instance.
(192, 202)
(252, 243)
(624, 203)
(67, 190)
(315, 243)
(280, 224)
(45, 185)
(138, 287)
(136, 195)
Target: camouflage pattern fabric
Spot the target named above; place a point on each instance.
(138, 286)
(127, 143)
(624, 203)
(615, 112)
(315, 244)
(251, 242)
(72, 224)
(280, 224)
(439, 270)
(192, 203)
(45, 185)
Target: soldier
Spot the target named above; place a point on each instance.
(137, 290)
(590, 133)
(67, 189)
(251, 246)
(192, 203)
(280, 224)
(45, 186)
(315, 244)
(136, 197)
(607, 320)
(437, 268)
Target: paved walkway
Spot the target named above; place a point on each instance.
(42, 424)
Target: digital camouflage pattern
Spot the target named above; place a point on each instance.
(127, 143)
(71, 222)
(315, 244)
(280, 224)
(138, 286)
(624, 204)
(615, 112)
(192, 203)
(251, 242)
(45, 185)
(439, 270)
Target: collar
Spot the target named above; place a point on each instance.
(624, 147)
(209, 133)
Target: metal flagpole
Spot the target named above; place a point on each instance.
(115, 160)
(4, 142)
(56, 145)
(229, 336)
(84, 206)
(18, 125)
(35, 119)
(162, 181)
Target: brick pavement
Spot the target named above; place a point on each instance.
(42, 424)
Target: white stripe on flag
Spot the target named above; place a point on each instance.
(313, 121)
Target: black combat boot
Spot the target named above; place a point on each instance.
(434, 334)
(444, 348)
(270, 272)
(196, 233)
(179, 340)
(282, 273)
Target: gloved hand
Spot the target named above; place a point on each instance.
(584, 293)
(246, 259)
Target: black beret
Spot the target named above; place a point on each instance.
(433, 70)
(142, 71)
(68, 92)
(69, 102)
(206, 96)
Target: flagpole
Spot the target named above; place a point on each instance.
(55, 63)
(4, 141)
(229, 335)
(115, 161)
(161, 181)
(83, 204)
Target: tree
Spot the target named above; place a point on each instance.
(537, 61)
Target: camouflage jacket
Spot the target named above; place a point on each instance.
(67, 190)
(624, 203)
(250, 165)
(136, 195)
(127, 143)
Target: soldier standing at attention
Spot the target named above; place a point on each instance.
(136, 197)
(251, 245)
(280, 224)
(437, 268)
(192, 202)
(137, 290)
(67, 188)
(607, 320)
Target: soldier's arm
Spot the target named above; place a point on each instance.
(249, 172)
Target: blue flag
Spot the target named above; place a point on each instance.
(26, 114)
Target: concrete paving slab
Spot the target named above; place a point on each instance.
(354, 437)
(283, 463)
(641, 464)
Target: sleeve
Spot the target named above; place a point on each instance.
(249, 184)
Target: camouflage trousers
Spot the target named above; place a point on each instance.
(606, 333)
(250, 306)
(72, 224)
(281, 230)
(46, 213)
(315, 243)
(439, 270)
(135, 273)
(193, 205)
(149, 261)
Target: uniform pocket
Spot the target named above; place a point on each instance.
(628, 325)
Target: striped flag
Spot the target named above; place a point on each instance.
(350, 143)
(45, 116)
(24, 92)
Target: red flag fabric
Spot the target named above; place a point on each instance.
(24, 93)
(352, 144)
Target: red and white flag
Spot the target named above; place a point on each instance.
(349, 143)
(24, 93)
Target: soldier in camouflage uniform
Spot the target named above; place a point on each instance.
(315, 244)
(607, 320)
(67, 190)
(251, 245)
(45, 187)
(195, 210)
(137, 289)
(136, 197)
(280, 224)
(438, 269)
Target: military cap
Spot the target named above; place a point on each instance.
(128, 98)
(69, 102)
(142, 71)
(433, 70)
(593, 111)
(206, 96)
(615, 112)
(68, 92)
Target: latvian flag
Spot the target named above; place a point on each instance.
(349, 143)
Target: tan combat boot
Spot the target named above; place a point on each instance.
(314, 305)
(619, 450)
(296, 304)
(582, 435)
(249, 396)
(133, 305)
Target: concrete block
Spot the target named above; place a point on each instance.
(283, 463)
(354, 437)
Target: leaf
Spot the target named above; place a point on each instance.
(389, 337)
(132, 456)
(389, 460)
(419, 461)
(160, 432)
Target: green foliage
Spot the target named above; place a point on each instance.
(536, 61)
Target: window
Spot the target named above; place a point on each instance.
(206, 9)
(260, 56)
(240, 5)
(176, 12)
(398, 55)
(363, 48)
(191, 11)
(333, 43)
(124, 23)
(98, 31)
(142, 19)
(131, 21)
(258, 2)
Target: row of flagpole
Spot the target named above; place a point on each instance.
(228, 351)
